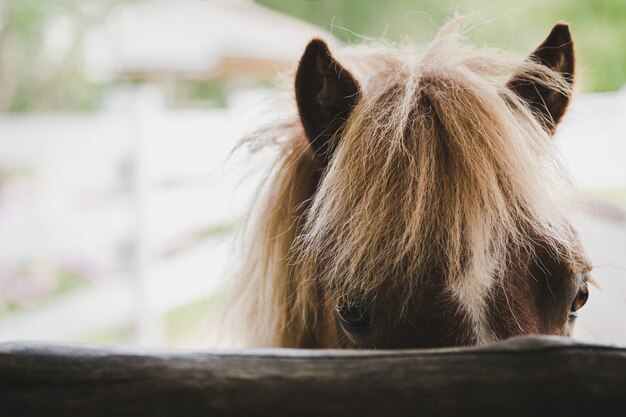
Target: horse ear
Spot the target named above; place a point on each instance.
(557, 53)
(326, 93)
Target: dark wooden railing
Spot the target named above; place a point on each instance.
(532, 376)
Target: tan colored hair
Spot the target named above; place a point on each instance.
(440, 167)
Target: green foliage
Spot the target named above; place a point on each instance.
(597, 26)
(30, 79)
(206, 92)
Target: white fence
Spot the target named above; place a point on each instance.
(133, 197)
(592, 139)
(130, 197)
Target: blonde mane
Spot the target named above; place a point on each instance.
(440, 168)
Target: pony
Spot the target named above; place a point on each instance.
(414, 201)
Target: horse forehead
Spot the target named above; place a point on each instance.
(530, 296)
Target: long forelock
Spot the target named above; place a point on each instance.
(441, 169)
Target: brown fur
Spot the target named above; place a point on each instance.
(431, 200)
(556, 52)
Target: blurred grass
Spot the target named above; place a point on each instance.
(188, 325)
(613, 196)
(598, 26)
(192, 323)
(109, 337)
(44, 282)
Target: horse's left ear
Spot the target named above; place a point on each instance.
(556, 52)
(326, 93)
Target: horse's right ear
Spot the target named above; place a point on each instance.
(326, 93)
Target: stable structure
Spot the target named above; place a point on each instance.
(187, 39)
(533, 376)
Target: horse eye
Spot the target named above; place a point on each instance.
(353, 318)
(581, 298)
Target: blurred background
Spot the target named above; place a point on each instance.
(118, 198)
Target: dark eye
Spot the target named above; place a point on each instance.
(580, 300)
(354, 319)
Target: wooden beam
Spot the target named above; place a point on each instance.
(532, 376)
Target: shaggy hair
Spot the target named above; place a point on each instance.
(440, 167)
